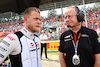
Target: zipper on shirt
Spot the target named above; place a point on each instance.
(36, 51)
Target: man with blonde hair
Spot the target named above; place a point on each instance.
(23, 47)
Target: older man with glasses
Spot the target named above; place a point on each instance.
(79, 46)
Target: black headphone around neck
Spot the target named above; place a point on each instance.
(80, 15)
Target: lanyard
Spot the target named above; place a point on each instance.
(75, 46)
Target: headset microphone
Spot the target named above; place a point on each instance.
(73, 26)
(68, 26)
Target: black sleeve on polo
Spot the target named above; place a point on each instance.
(96, 43)
(61, 44)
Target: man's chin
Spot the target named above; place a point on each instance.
(37, 30)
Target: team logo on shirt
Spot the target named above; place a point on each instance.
(32, 44)
(11, 38)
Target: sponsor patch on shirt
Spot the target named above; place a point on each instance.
(6, 43)
(34, 49)
(2, 56)
(85, 35)
(37, 43)
(67, 40)
(2, 49)
(68, 36)
(25, 30)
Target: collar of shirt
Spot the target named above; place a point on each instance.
(80, 31)
(27, 33)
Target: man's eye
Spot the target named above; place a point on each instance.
(36, 18)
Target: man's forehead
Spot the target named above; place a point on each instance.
(70, 10)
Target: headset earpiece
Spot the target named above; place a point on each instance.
(80, 15)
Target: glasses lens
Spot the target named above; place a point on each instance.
(69, 16)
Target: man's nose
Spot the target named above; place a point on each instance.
(39, 22)
(66, 19)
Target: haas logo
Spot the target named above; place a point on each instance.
(11, 38)
(31, 44)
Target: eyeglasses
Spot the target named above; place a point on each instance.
(69, 16)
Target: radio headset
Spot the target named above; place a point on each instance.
(80, 15)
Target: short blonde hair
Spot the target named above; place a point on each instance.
(30, 9)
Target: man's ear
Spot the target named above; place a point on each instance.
(25, 18)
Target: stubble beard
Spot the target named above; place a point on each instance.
(33, 30)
